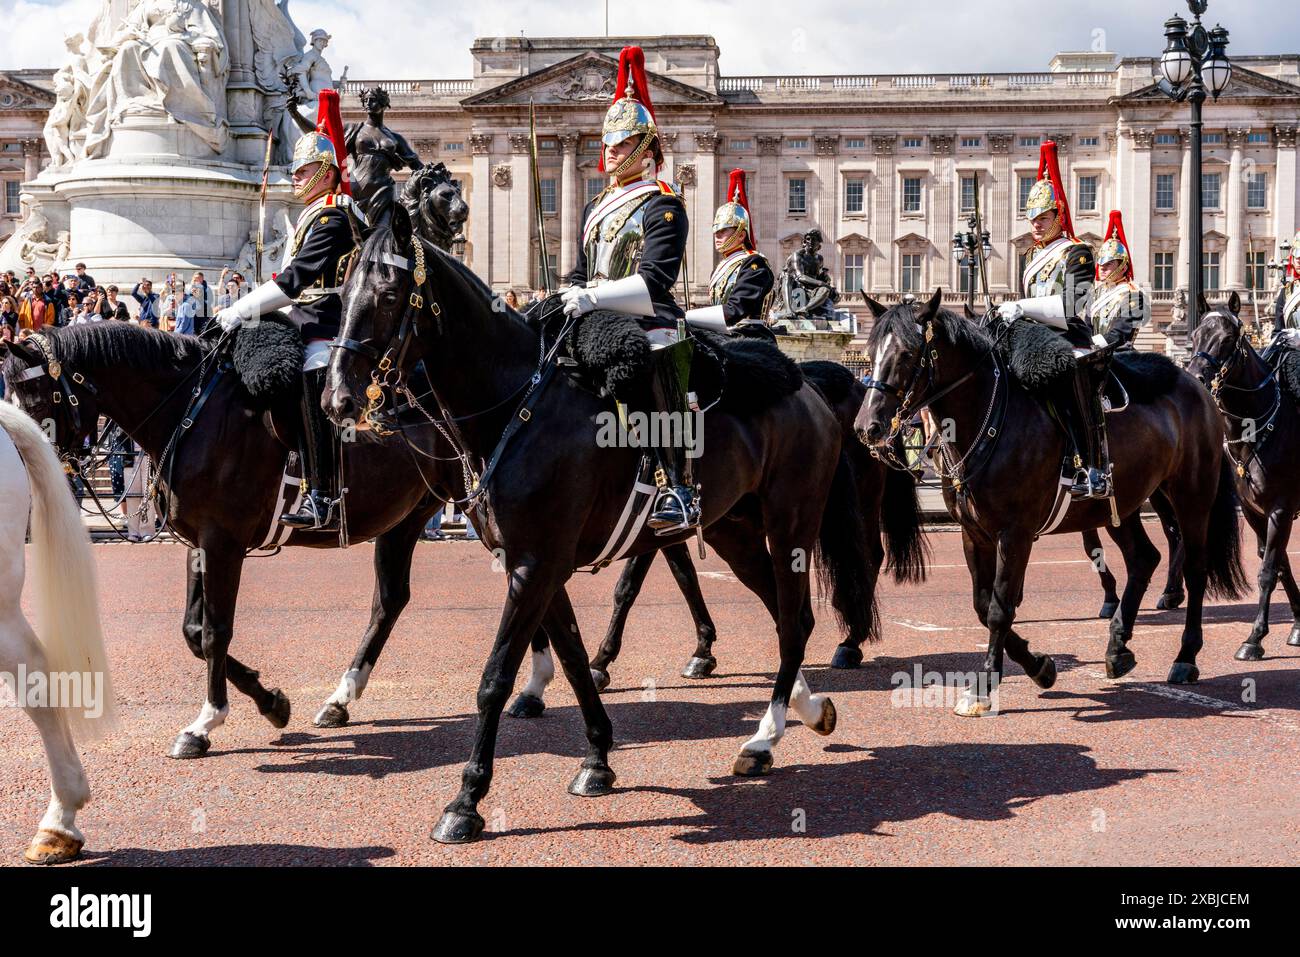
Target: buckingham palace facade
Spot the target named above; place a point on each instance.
(885, 166)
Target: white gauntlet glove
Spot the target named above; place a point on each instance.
(629, 295)
(711, 318)
(1010, 311)
(265, 298)
(578, 300)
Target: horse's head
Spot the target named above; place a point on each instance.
(899, 377)
(435, 204)
(1216, 342)
(53, 395)
(381, 302)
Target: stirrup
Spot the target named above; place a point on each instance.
(1086, 487)
(675, 510)
(309, 516)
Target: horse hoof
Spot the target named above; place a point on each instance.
(846, 657)
(456, 828)
(699, 667)
(752, 764)
(1120, 665)
(825, 723)
(1293, 639)
(1183, 674)
(1170, 600)
(601, 678)
(331, 716)
(278, 711)
(51, 847)
(188, 746)
(1108, 610)
(526, 706)
(592, 782)
(971, 705)
(1045, 677)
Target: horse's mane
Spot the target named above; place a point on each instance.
(113, 343)
(901, 322)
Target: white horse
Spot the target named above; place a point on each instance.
(69, 655)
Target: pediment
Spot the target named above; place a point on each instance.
(585, 79)
(18, 95)
(855, 239)
(1244, 85)
(912, 239)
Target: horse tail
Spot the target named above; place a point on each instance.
(900, 519)
(1225, 577)
(843, 565)
(63, 582)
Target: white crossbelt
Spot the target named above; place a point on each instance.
(626, 529)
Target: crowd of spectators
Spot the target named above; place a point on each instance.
(32, 301)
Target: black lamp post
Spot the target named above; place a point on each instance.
(968, 249)
(1193, 63)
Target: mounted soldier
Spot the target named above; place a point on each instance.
(309, 285)
(740, 289)
(1057, 284)
(1286, 309)
(629, 255)
(1117, 308)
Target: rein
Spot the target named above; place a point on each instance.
(1262, 430)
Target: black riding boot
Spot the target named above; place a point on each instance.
(676, 508)
(320, 461)
(1092, 478)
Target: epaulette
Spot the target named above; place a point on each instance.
(667, 189)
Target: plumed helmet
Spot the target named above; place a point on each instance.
(631, 113)
(313, 148)
(1049, 192)
(735, 211)
(1114, 247)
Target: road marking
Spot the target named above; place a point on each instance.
(1048, 561)
(1200, 700)
(918, 625)
(719, 576)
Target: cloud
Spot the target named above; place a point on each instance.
(410, 39)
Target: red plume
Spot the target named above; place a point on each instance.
(736, 194)
(1115, 227)
(1048, 166)
(631, 65)
(329, 121)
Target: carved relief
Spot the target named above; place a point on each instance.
(707, 141)
(769, 144)
(588, 85)
(684, 175)
(1000, 142)
(941, 144)
(502, 175)
(1285, 136)
(569, 142)
(1237, 138)
(480, 144)
(884, 143)
(520, 143)
(827, 145)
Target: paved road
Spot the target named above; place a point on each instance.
(1090, 772)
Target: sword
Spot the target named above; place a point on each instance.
(543, 261)
(261, 209)
(686, 269)
(1254, 295)
(979, 252)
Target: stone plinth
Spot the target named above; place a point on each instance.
(806, 346)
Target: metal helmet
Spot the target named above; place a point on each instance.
(313, 148)
(631, 113)
(730, 214)
(1042, 198)
(735, 212)
(1112, 250)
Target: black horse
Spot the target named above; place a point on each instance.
(547, 495)
(1167, 443)
(1263, 445)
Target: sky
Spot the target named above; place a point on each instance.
(755, 36)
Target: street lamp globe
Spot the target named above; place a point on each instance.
(1176, 61)
(1217, 69)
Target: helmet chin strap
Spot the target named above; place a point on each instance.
(735, 242)
(620, 171)
(312, 183)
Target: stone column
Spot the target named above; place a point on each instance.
(1284, 195)
(885, 277)
(703, 201)
(1236, 213)
(1135, 199)
(945, 220)
(768, 194)
(1182, 269)
(525, 267)
(1003, 211)
(828, 201)
(571, 195)
(31, 159)
(479, 257)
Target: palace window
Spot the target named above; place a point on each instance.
(594, 185)
(1165, 195)
(854, 196)
(1210, 272)
(911, 194)
(855, 143)
(1212, 139)
(1087, 141)
(1257, 191)
(852, 272)
(1211, 197)
(1028, 141)
(1162, 272)
(910, 279)
(1088, 194)
(971, 142)
(739, 146)
(800, 143)
(1167, 139)
(1257, 270)
(453, 147)
(913, 142)
(591, 144)
(966, 203)
(1026, 183)
(547, 145)
(797, 195)
(548, 195)
(12, 205)
(1258, 139)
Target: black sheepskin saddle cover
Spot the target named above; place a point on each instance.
(1039, 357)
(1287, 363)
(268, 357)
(612, 350)
(1146, 376)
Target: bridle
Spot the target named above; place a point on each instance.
(62, 389)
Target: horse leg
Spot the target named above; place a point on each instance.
(1193, 522)
(848, 653)
(702, 663)
(1010, 559)
(1141, 558)
(529, 703)
(531, 588)
(1173, 595)
(58, 839)
(595, 777)
(394, 551)
(1275, 541)
(1292, 596)
(982, 564)
(1097, 555)
(625, 592)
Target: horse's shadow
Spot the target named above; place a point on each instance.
(241, 855)
(970, 782)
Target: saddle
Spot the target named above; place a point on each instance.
(267, 359)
